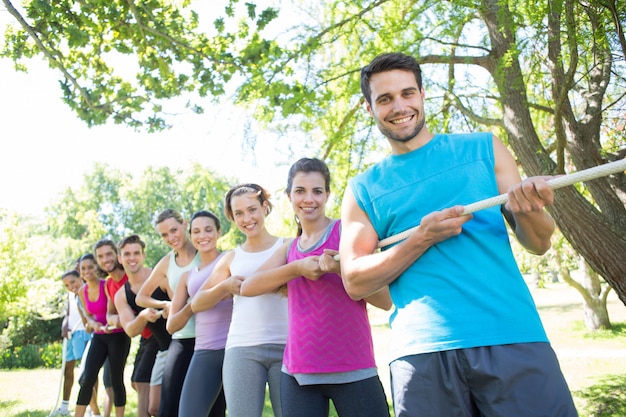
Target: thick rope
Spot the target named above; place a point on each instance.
(554, 183)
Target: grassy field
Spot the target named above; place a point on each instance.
(594, 364)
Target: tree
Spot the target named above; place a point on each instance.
(546, 75)
(94, 44)
(112, 204)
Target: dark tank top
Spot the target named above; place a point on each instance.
(159, 332)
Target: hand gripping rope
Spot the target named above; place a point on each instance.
(554, 183)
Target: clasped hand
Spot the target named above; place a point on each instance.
(313, 267)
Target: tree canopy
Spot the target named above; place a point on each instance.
(547, 76)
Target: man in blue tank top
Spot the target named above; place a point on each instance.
(466, 336)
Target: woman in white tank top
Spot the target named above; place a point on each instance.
(258, 331)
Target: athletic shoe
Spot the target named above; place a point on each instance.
(60, 412)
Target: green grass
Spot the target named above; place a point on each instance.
(594, 363)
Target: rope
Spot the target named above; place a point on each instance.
(63, 364)
(554, 183)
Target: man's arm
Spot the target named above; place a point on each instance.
(364, 270)
(132, 324)
(524, 211)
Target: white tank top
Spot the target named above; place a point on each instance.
(74, 321)
(261, 319)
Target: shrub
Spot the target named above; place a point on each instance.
(28, 341)
(32, 356)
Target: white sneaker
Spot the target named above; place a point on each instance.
(60, 412)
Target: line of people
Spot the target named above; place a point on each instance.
(466, 336)
(206, 338)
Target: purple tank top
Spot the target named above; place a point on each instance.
(211, 325)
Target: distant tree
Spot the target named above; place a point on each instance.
(15, 264)
(31, 292)
(112, 204)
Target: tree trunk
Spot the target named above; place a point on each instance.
(591, 232)
(595, 313)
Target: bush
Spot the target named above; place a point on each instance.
(30, 329)
(32, 356)
(28, 341)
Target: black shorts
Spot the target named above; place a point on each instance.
(521, 379)
(144, 360)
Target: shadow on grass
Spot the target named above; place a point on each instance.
(6, 408)
(36, 413)
(558, 308)
(606, 398)
(617, 331)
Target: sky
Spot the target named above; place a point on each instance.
(45, 148)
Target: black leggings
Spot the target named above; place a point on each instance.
(176, 363)
(115, 347)
(365, 398)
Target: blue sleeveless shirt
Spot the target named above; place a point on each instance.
(466, 291)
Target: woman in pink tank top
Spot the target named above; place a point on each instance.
(111, 343)
(329, 353)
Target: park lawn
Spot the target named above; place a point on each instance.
(586, 359)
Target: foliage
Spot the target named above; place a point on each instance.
(110, 203)
(31, 329)
(547, 76)
(29, 265)
(32, 356)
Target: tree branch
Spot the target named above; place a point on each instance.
(54, 61)
(470, 114)
(486, 62)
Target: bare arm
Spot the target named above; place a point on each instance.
(92, 323)
(112, 316)
(364, 270)
(180, 308)
(218, 287)
(157, 278)
(274, 273)
(133, 324)
(525, 212)
(380, 299)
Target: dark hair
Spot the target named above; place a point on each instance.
(72, 272)
(169, 214)
(260, 192)
(129, 240)
(205, 213)
(105, 242)
(87, 256)
(308, 165)
(387, 62)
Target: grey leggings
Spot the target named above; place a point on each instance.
(202, 393)
(247, 370)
